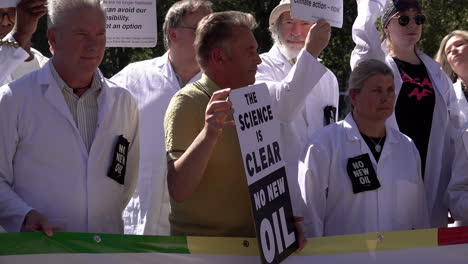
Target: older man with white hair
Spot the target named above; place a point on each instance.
(69, 138)
(303, 106)
(18, 22)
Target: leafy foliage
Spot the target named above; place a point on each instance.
(443, 16)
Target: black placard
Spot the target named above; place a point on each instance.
(119, 160)
(362, 174)
(274, 220)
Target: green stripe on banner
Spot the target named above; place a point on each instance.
(38, 243)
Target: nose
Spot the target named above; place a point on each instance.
(5, 20)
(296, 30)
(258, 60)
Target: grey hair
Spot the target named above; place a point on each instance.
(58, 9)
(365, 70)
(213, 31)
(177, 12)
(441, 56)
(275, 29)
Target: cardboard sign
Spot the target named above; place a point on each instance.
(258, 132)
(313, 10)
(131, 23)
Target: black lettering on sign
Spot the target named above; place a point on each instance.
(362, 174)
(263, 158)
(251, 98)
(255, 117)
(119, 160)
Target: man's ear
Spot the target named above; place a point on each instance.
(217, 56)
(51, 36)
(352, 95)
(172, 35)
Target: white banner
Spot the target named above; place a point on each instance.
(131, 23)
(313, 10)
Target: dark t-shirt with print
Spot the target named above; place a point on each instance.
(415, 106)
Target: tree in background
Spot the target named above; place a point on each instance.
(443, 16)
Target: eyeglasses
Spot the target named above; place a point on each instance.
(10, 16)
(404, 20)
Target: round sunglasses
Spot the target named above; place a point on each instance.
(404, 19)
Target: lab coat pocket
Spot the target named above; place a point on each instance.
(407, 202)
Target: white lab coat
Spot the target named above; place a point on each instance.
(13, 65)
(449, 109)
(331, 207)
(458, 186)
(301, 92)
(44, 163)
(152, 83)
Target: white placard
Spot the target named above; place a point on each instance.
(313, 10)
(131, 23)
(258, 131)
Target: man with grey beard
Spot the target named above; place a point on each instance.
(303, 107)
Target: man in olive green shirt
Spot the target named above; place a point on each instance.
(206, 179)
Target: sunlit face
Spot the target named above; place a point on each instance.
(407, 35)
(375, 100)
(292, 34)
(185, 34)
(7, 22)
(79, 42)
(456, 51)
(242, 58)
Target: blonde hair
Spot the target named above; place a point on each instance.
(441, 56)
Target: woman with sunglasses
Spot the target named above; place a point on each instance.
(453, 56)
(427, 107)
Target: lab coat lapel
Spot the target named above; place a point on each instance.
(105, 101)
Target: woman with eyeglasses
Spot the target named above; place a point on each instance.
(427, 107)
(453, 56)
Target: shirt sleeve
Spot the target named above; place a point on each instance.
(12, 208)
(11, 57)
(458, 186)
(289, 95)
(183, 122)
(420, 213)
(365, 34)
(313, 181)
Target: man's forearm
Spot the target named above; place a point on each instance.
(186, 173)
